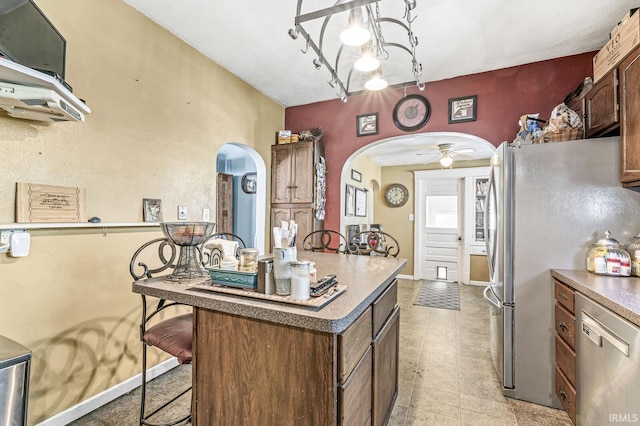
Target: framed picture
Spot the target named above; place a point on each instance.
(361, 202)
(356, 175)
(367, 124)
(349, 200)
(463, 109)
(249, 183)
(152, 209)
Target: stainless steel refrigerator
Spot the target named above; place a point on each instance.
(546, 204)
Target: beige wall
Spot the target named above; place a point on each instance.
(160, 113)
(395, 220)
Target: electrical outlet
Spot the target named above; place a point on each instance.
(410, 216)
(206, 215)
(182, 212)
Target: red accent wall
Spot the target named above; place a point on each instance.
(503, 96)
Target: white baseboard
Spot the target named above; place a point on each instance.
(405, 277)
(97, 401)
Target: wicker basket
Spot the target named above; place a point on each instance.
(563, 135)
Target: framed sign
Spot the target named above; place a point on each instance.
(349, 200)
(463, 109)
(356, 175)
(361, 202)
(367, 124)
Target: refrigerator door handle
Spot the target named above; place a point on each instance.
(489, 299)
(490, 240)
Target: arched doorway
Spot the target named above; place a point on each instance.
(242, 163)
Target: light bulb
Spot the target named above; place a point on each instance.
(446, 161)
(355, 34)
(367, 61)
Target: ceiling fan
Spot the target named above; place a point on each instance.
(447, 153)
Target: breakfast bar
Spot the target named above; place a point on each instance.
(268, 362)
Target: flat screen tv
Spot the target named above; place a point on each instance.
(30, 39)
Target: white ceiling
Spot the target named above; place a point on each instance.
(456, 37)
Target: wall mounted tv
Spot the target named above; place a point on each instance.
(30, 39)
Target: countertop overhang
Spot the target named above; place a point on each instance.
(366, 278)
(619, 294)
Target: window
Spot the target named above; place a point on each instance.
(442, 211)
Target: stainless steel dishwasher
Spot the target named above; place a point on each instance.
(15, 361)
(608, 366)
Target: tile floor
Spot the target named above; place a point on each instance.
(446, 374)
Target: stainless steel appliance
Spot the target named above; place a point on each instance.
(546, 204)
(15, 361)
(607, 364)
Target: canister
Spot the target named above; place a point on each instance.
(608, 257)
(249, 260)
(300, 286)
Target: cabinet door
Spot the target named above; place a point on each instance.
(354, 396)
(602, 105)
(281, 172)
(304, 218)
(630, 101)
(278, 215)
(302, 172)
(385, 369)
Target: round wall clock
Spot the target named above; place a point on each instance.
(411, 113)
(396, 195)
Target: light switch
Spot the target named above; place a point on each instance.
(182, 212)
(206, 215)
(411, 216)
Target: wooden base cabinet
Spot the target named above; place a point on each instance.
(565, 324)
(254, 372)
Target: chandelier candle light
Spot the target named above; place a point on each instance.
(361, 43)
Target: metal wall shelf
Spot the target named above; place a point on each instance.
(56, 225)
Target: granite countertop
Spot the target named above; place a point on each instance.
(366, 278)
(620, 294)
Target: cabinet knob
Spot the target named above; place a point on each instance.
(564, 296)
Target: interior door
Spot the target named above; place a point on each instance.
(224, 195)
(441, 235)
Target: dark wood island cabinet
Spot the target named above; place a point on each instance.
(268, 363)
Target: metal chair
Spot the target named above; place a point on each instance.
(377, 243)
(211, 256)
(173, 335)
(325, 241)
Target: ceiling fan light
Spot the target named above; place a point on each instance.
(446, 161)
(356, 33)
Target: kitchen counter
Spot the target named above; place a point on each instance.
(619, 294)
(366, 277)
(265, 362)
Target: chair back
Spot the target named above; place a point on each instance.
(377, 243)
(211, 254)
(152, 258)
(325, 241)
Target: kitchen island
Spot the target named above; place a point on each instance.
(271, 363)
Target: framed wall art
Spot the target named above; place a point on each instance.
(361, 202)
(356, 175)
(367, 124)
(463, 109)
(349, 200)
(152, 209)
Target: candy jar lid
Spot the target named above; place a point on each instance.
(607, 241)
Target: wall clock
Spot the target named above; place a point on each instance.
(411, 113)
(396, 195)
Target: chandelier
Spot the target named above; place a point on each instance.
(352, 31)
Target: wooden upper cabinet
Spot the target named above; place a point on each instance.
(292, 173)
(630, 101)
(601, 106)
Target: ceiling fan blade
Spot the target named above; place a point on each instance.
(431, 159)
(463, 150)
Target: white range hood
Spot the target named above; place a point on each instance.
(29, 94)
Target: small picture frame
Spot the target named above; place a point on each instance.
(249, 183)
(463, 109)
(367, 124)
(349, 200)
(152, 209)
(356, 175)
(361, 202)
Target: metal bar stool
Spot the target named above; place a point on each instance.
(173, 335)
(376, 243)
(325, 241)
